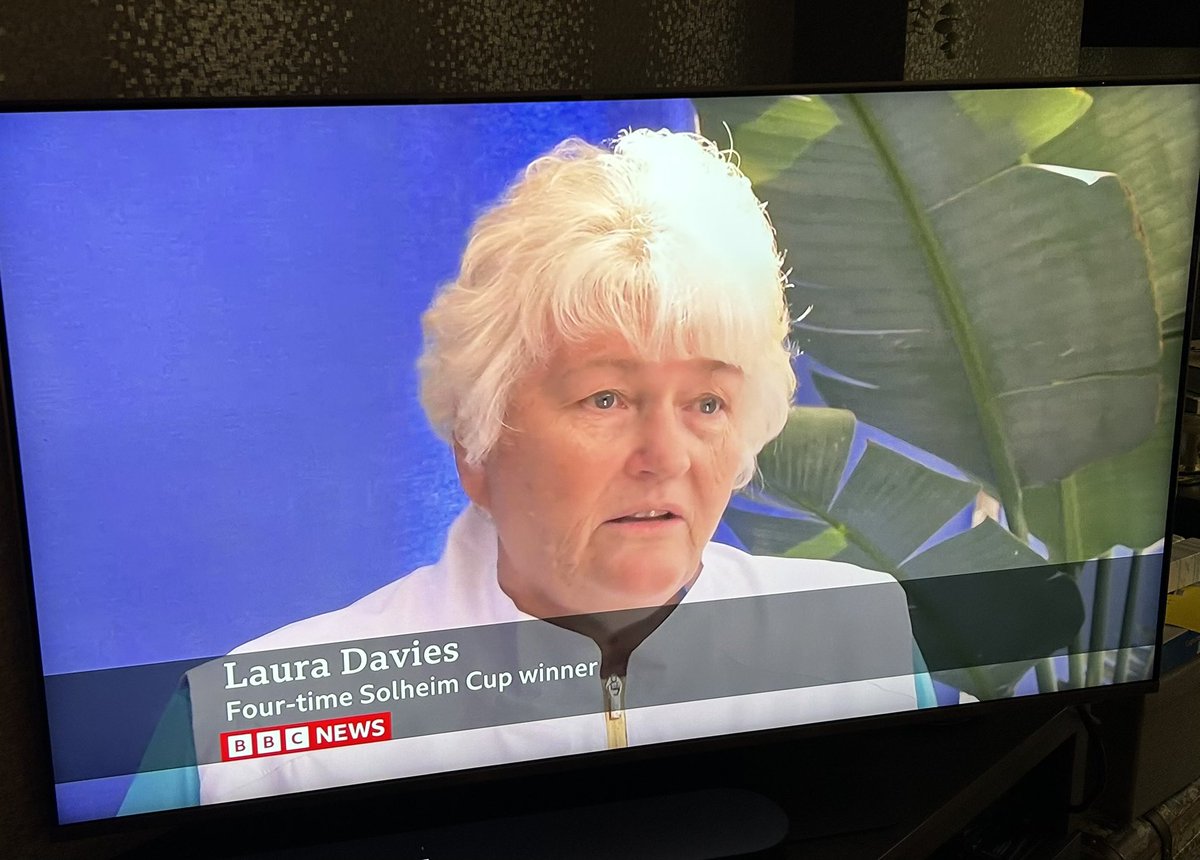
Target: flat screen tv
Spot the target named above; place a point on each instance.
(364, 444)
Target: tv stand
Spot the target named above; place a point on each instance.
(964, 784)
(708, 823)
(912, 791)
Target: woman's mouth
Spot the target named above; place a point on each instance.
(648, 516)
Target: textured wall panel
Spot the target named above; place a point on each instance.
(177, 48)
(963, 39)
(228, 47)
(645, 46)
(1098, 62)
(56, 49)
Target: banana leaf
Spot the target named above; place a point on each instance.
(1147, 135)
(771, 133)
(880, 516)
(956, 289)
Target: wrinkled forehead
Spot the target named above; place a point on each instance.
(610, 351)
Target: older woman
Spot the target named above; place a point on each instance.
(606, 366)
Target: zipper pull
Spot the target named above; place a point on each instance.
(614, 712)
(614, 696)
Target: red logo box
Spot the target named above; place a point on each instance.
(302, 737)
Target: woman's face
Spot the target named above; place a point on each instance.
(609, 477)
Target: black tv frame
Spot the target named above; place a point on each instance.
(494, 787)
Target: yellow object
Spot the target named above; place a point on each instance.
(1183, 608)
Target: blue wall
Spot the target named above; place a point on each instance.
(213, 318)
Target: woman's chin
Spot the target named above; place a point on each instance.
(641, 589)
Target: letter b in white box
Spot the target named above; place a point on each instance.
(268, 742)
(296, 738)
(239, 746)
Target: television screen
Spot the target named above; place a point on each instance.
(366, 442)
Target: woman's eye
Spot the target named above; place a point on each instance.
(604, 400)
(710, 405)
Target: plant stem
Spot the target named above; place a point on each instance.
(1099, 631)
(1068, 495)
(1047, 675)
(1129, 618)
(1077, 661)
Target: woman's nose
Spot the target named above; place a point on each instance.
(660, 445)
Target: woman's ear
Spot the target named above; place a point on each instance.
(473, 477)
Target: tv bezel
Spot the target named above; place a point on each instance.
(492, 780)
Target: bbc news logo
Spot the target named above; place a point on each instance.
(302, 737)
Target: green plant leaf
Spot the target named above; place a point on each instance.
(769, 133)
(887, 507)
(898, 502)
(987, 546)
(806, 483)
(884, 510)
(811, 481)
(1032, 379)
(990, 681)
(1119, 500)
(828, 544)
(1028, 117)
(764, 534)
(1147, 135)
(940, 271)
(970, 623)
